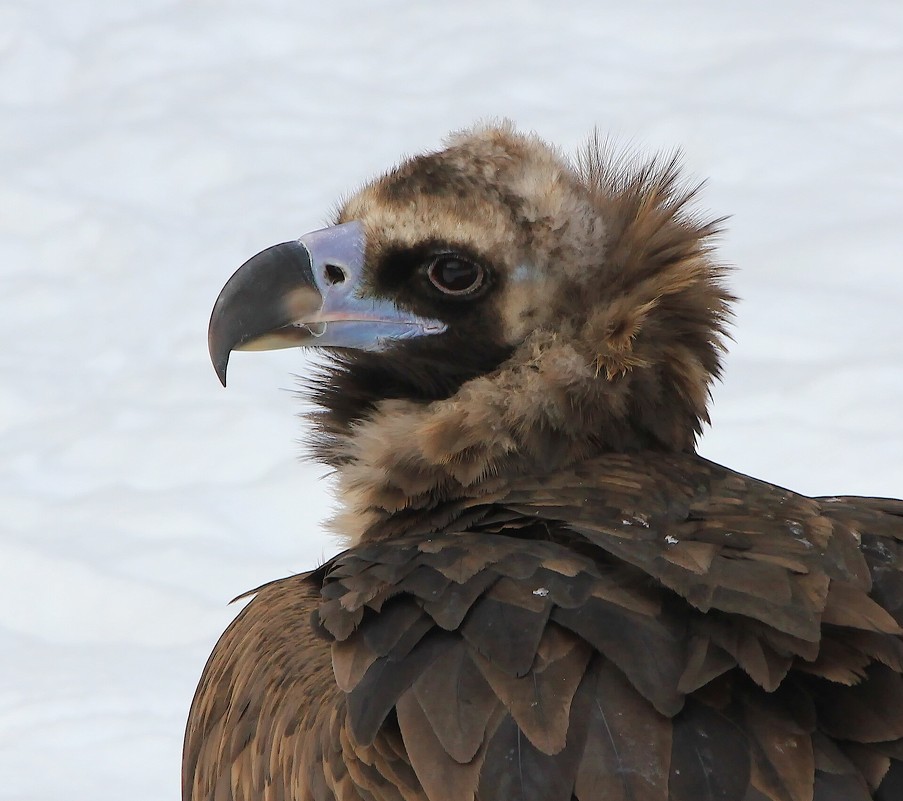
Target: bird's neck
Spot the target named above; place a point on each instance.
(425, 463)
(418, 468)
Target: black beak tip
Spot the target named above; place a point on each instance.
(219, 349)
(222, 336)
(220, 368)
(252, 302)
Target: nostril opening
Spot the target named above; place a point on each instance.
(335, 275)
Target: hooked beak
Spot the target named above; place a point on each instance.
(307, 293)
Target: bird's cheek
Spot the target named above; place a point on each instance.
(521, 308)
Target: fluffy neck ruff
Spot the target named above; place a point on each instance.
(628, 369)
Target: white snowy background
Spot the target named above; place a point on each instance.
(149, 147)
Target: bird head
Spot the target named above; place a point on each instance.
(492, 308)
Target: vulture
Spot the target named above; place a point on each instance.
(546, 595)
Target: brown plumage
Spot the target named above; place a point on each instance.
(548, 594)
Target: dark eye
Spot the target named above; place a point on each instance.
(454, 275)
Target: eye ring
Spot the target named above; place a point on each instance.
(455, 275)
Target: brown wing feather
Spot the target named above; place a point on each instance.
(643, 628)
(259, 726)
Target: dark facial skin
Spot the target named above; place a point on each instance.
(427, 369)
